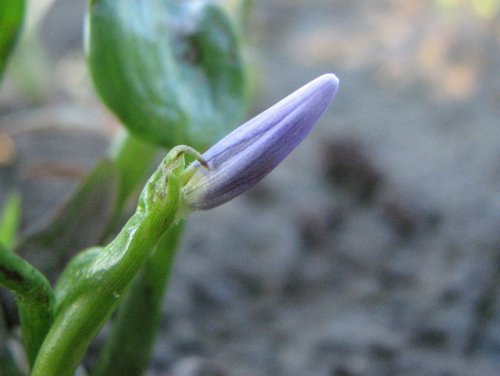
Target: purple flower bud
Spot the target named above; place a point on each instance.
(246, 155)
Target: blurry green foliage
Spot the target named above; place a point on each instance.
(172, 72)
(487, 9)
(10, 217)
(79, 224)
(34, 299)
(11, 19)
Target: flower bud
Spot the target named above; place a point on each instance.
(245, 156)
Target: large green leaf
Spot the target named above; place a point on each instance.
(171, 71)
(11, 19)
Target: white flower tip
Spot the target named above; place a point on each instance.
(329, 81)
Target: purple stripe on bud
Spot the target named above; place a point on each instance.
(246, 155)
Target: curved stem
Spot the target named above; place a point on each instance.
(34, 298)
(128, 350)
(92, 286)
(133, 158)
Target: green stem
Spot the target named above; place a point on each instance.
(11, 20)
(92, 285)
(10, 216)
(34, 298)
(128, 350)
(133, 158)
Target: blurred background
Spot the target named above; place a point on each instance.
(373, 250)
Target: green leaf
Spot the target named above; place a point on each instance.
(80, 224)
(171, 71)
(34, 299)
(11, 19)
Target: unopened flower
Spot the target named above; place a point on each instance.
(245, 156)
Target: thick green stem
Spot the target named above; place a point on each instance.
(34, 298)
(92, 285)
(129, 348)
(133, 158)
